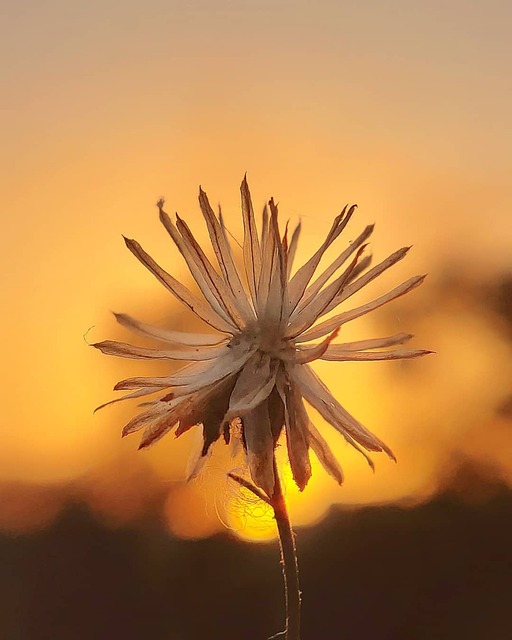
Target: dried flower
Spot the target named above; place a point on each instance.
(254, 372)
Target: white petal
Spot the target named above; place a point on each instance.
(195, 376)
(375, 343)
(219, 287)
(210, 283)
(317, 285)
(272, 286)
(203, 311)
(337, 321)
(224, 255)
(167, 335)
(184, 376)
(292, 249)
(300, 280)
(308, 312)
(121, 349)
(373, 273)
(252, 249)
(334, 354)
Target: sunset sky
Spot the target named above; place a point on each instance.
(402, 107)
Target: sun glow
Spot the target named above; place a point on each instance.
(59, 443)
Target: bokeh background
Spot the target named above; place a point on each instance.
(402, 107)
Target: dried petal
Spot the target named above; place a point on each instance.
(337, 321)
(207, 314)
(316, 393)
(260, 447)
(209, 282)
(166, 335)
(324, 453)
(309, 312)
(300, 280)
(296, 422)
(124, 350)
(370, 275)
(224, 255)
(317, 285)
(254, 384)
(334, 354)
(252, 249)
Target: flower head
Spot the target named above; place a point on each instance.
(251, 377)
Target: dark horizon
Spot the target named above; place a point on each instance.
(439, 570)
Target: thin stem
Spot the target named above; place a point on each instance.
(288, 552)
(288, 560)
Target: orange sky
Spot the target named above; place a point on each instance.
(403, 107)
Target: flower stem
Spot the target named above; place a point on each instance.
(288, 552)
(288, 560)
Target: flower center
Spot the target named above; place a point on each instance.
(267, 340)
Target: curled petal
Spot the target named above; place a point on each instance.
(253, 385)
(314, 353)
(360, 449)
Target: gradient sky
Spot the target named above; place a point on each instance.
(402, 107)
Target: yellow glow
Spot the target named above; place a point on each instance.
(249, 518)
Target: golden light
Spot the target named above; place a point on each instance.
(61, 440)
(88, 153)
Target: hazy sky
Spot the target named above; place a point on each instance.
(403, 107)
